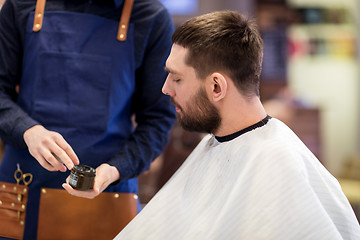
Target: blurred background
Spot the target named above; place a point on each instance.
(310, 81)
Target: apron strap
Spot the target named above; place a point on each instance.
(123, 25)
(124, 21)
(39, 14)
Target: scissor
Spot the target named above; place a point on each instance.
(20, 176)
(25, 177)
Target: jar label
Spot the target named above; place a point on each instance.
(73, 181)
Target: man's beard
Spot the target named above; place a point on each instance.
(201, 115)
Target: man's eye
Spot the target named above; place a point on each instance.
(176, 80)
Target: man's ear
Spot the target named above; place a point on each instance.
(218, 86)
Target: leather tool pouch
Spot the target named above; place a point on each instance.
(63, 216)
(13, 200)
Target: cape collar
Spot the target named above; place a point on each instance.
(241, 132)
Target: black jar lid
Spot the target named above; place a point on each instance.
(83, 170)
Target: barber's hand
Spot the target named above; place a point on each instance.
(105, 175)
(43, 144)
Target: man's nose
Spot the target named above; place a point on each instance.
(166, 89)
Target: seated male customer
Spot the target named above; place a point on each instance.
(251, 177)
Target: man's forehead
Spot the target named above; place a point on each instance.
(176, 59)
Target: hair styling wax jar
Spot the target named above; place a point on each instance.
(82, 177)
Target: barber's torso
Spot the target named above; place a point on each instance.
(77, 79)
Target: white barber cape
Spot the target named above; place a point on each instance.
(263, 184)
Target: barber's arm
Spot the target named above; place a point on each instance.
(154, 114)
(13, 120)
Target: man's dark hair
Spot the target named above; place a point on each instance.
(226, 42)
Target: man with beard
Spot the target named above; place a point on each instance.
(251, 177)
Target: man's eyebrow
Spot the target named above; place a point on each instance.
(168, 70)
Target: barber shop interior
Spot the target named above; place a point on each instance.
(310, 81)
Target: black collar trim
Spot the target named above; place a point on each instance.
(241, 132)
